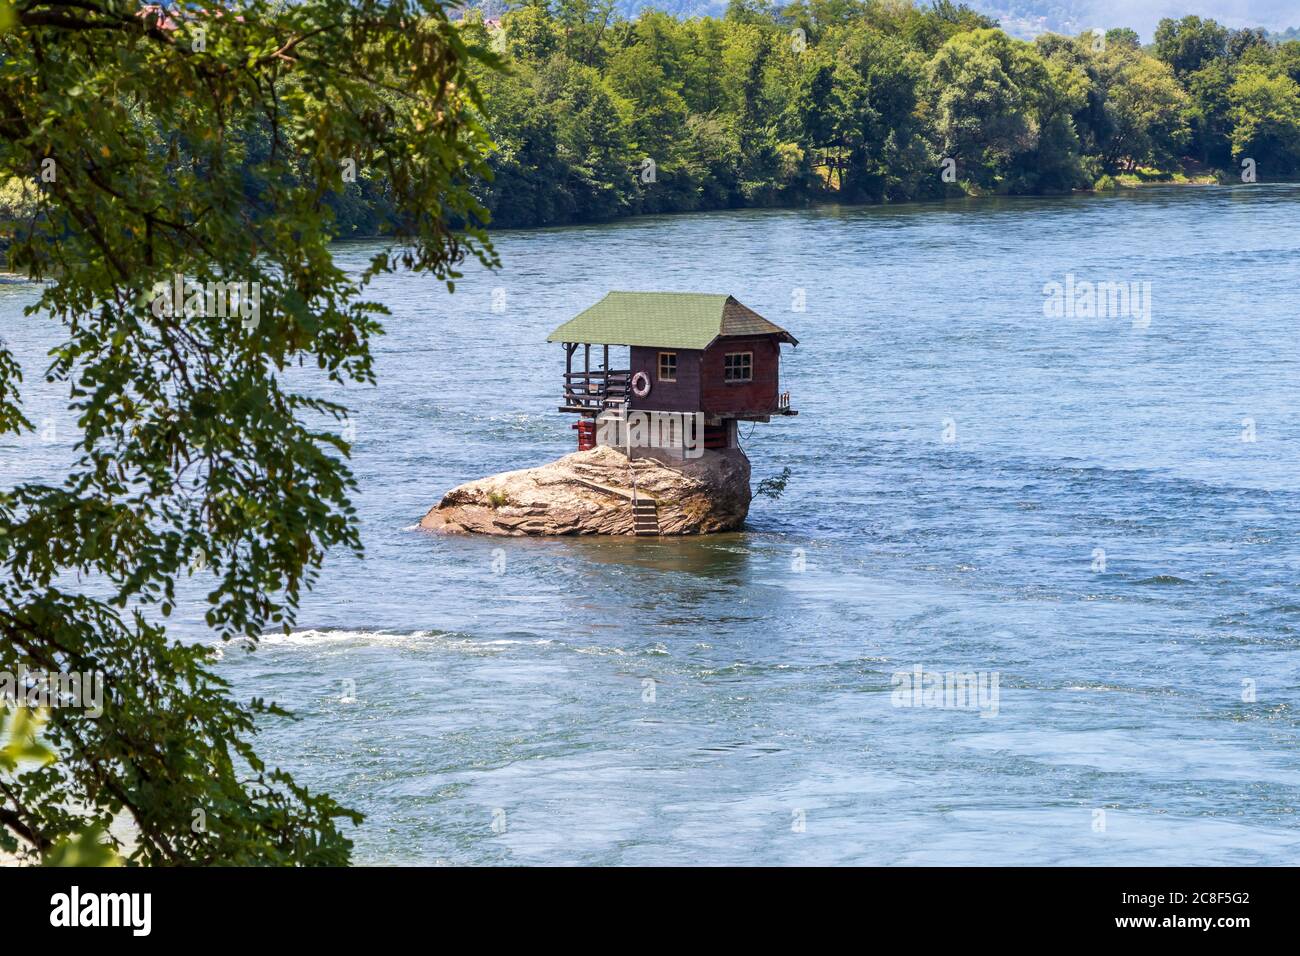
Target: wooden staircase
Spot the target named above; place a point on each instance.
(645, 517)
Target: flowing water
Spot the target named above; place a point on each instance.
(1101, 514)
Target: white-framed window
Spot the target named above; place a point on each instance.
(667, 366)
(738, 367)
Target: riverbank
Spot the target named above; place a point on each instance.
(1107, 185)
(1190, 174)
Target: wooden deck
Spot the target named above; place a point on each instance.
(595, 391)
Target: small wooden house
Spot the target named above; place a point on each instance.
(689, 353)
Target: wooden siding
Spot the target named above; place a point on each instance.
(682, 395)
(756, 397)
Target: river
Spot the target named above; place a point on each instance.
(1099, 516)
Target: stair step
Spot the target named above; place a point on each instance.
(645, 518)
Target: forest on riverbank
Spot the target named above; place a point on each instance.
(840, 100)
(596, 117)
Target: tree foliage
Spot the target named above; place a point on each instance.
(210, 143)
(1265, 113)
(851, 100)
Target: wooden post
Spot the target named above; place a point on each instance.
(569, 348)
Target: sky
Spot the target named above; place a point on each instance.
(1143, 15)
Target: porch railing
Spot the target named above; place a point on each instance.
(597, 390)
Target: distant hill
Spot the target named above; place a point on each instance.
(1029, 18)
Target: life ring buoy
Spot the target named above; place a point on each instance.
(640, 384)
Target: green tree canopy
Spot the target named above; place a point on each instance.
(1266, 120)
(988, 90)
(844, 100)
(204, 143)
(1188, 44)
(1147, 110)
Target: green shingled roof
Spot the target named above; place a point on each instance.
(683, 320)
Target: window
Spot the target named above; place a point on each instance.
(667, 366)
(739, 367)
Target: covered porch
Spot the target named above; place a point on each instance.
(592, 390)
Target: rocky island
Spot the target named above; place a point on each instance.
(592, 492)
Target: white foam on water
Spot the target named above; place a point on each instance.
(316, 637)
(326, 637)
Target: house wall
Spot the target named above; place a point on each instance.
(682, 395)
(758, 397)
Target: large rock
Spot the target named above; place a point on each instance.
(589, 493)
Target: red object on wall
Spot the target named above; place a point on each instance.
(586, 434)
